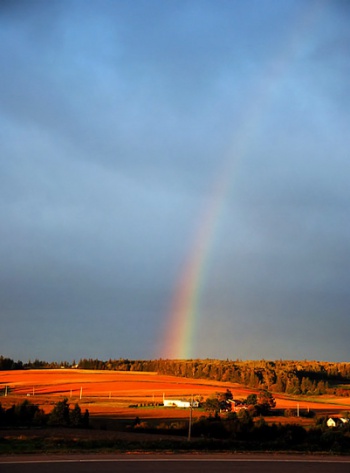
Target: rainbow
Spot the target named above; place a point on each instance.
(184, 314)
(185, 302)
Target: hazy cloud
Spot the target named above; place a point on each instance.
(115, 123)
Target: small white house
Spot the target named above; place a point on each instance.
(331, 422)
(336, 422)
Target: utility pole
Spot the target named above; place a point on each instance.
(6, 391)
(298, 409)
(190, 420)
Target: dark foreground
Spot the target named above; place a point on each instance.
(195, 463)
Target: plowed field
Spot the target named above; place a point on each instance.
(111, 393)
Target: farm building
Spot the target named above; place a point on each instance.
(336, 422)
(238, 406)
(179, 403)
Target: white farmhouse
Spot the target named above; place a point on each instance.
(336, 422)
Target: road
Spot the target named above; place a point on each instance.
(236, 463)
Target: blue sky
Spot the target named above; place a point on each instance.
(116, 120)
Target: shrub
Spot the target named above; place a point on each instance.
(23, 414)
(62, 415)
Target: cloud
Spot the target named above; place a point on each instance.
(115, 124)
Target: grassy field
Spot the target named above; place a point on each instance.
(109, 395)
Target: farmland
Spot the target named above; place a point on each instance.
(111, 394)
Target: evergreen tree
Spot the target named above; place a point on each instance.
(75, 416)
(60, 413)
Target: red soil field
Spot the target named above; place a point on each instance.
(108, 384)
(111, 392)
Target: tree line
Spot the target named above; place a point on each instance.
(239, 431)
(7, 364)
(283, 376)
(27, 414)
